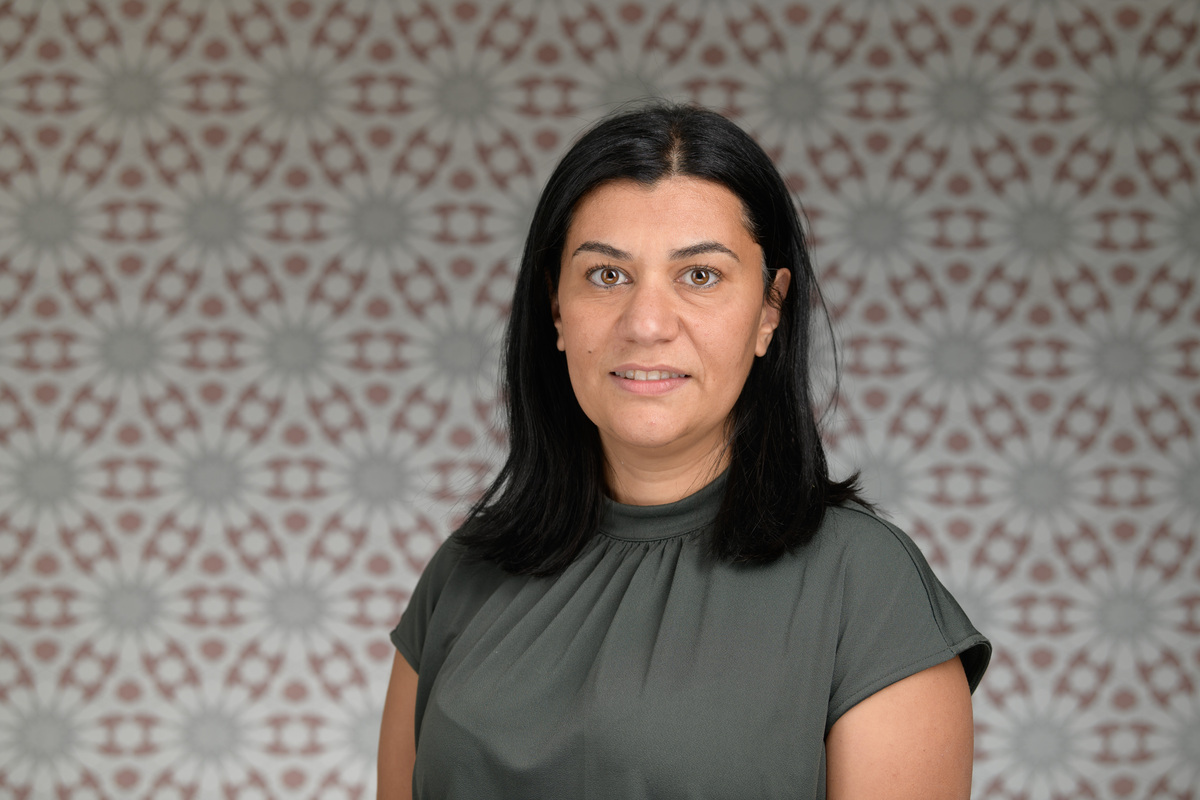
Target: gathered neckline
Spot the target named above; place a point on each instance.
(666, 521)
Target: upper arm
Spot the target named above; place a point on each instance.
(912, 739)
(397, 734)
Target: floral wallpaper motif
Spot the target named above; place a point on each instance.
(254, 264)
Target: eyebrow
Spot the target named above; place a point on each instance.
(700, 248)
(676, 255)
(603, 249)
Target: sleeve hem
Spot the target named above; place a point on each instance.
(405, 649)
(912, 668)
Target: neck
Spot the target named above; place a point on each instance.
(654, 478)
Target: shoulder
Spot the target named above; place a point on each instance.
(447, 561)
(454, 558)
(859, 539)
(448, 587)
(854, 561)
(456, 575)
(852, 546)
(890, 592)
(877, 567)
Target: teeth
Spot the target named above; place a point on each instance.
(652, 375)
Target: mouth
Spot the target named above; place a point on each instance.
(648, 375)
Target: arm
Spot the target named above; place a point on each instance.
(397, 734)
(913, 739)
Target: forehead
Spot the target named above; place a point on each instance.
(676, 203)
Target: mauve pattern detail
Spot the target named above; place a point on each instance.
(254, 266)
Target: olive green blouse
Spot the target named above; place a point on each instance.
(647, 670)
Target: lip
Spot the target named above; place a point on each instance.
(648, 388)
(650, 368)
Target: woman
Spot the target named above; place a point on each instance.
(663, 593)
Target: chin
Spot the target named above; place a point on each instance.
(648, 437)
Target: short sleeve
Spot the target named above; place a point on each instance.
(896, 617)
(409, 635)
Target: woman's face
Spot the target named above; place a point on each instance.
(661, 311)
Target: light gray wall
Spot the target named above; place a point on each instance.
(255, 258)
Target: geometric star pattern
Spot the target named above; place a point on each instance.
(255, 263)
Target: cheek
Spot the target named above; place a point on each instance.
(733, 338)
(579, 332)
(578, 343)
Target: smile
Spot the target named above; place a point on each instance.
(652, 375)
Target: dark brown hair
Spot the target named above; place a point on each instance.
(546, 502)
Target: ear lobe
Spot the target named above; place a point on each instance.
(764, 336)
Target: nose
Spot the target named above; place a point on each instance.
(650, 315)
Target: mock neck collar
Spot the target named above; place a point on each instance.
(648, 523)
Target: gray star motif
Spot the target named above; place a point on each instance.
(296, 607)
(1041, 230)
(960, 101)
(47, 222)
(957, 357)
(212, 735)
(132, 92)
(46, 479)
(797, 99)
(1041, 487)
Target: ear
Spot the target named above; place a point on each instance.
(557, 316)
(769, 320)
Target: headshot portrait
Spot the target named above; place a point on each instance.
(647, 399)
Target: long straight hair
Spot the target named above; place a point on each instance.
(546, 503)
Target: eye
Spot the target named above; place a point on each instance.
(700, 276)
(607, 276)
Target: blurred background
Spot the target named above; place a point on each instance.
(255, 261)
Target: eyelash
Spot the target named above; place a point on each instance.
(714, 276)
(597, 282)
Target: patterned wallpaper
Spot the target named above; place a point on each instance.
(255, 258)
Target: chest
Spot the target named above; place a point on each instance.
(634, 686)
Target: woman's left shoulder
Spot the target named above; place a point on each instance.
(886, 583)
(855, 532)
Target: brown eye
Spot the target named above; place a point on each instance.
(607, 276)
(701, 277)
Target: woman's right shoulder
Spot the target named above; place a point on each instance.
(453, 561)
(447, 556)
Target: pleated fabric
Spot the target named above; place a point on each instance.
(647, 670)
